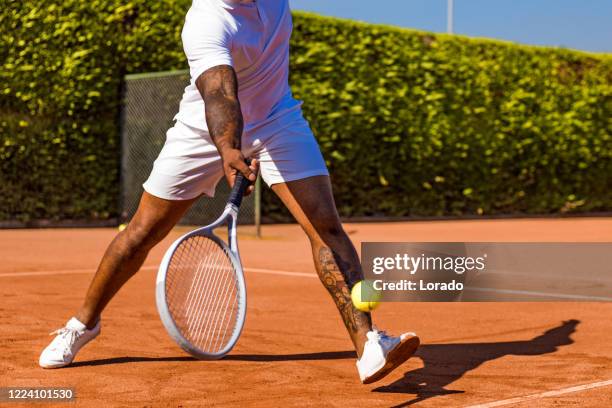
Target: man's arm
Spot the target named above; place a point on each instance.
(219, 88)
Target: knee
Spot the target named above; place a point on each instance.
(329, 228)
(139, 237)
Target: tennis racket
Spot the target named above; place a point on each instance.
(200, 289)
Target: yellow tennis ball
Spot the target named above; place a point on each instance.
(122, 227)
(364, 296)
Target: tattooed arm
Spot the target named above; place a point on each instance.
(219, 89)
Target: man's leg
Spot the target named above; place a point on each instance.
(311, 202)
(123, 258)
(125, 255)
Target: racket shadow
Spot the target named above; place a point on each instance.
(124, 360)
(326, 355)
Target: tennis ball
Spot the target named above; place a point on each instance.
(370, 299)
(122, 227)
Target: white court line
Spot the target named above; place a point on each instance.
(60, 272)
(540, 395)
(145, 268)
(312, 276)
(539, 294)
(282, 273)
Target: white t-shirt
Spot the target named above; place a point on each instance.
(253, 37)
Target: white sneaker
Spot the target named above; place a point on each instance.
(382, 354)
(67, 343)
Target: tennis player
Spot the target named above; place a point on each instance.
(238, 105)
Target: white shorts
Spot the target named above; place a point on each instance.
(189, 164)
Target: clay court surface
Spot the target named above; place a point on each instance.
(294, 350)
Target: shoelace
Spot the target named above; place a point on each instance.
(66, 337)
(378, 334)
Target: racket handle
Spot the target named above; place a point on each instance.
(240, 187)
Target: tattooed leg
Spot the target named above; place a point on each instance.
(311, 202)
(339, 287)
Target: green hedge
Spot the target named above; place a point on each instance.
(59, 84)
(419, 124)
(410, 123)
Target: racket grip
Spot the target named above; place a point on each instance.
(240, 187)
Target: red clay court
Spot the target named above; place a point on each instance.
(294, 350)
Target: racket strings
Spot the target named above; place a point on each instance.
(202, 293)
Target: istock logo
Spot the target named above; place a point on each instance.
(413, 264)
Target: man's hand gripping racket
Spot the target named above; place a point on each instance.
(200, 290)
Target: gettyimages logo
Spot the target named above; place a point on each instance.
(413, 264)
(419, 272)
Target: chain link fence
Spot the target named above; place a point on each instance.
(149, 105)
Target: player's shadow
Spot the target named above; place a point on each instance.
(444, 364)
(325, 355)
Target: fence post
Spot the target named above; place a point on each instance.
(257, 208)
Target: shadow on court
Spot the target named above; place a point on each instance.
(327, 355)
(446, 363)
(123, 360)
(443, 363)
